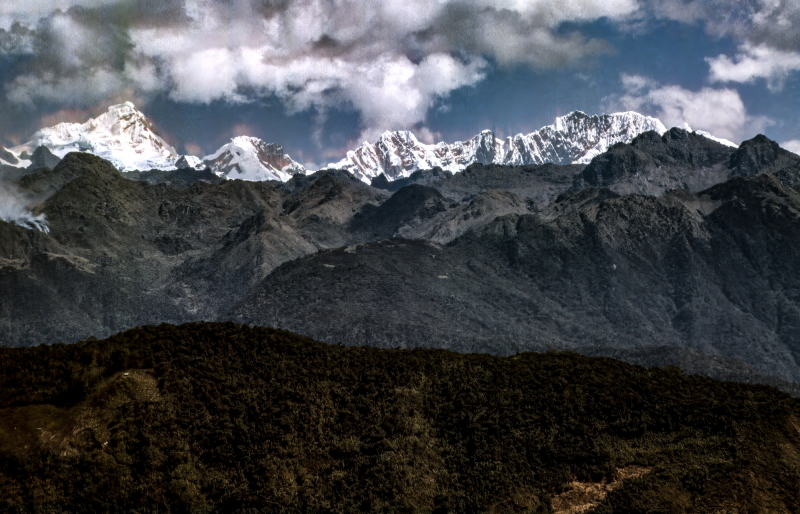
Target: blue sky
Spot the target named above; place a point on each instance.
(320, 76)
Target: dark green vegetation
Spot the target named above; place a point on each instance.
(224, 417)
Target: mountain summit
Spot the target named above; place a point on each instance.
(249, 158)
(573, 139)
(122, 135)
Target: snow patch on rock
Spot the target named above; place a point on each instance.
(249, 158)
(574, 138)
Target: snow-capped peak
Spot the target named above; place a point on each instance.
(574, 138)
(249, 158)
(706, 135)
(121, 135)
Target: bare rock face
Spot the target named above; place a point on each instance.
(679, 159)
(183, 162)
(42, 157)
(181, 178)
(762, 155)
(7, 157)
(653, 164)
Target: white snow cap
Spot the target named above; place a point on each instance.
(122, 135)
(574, 138)
(249, 158)
(705, 134)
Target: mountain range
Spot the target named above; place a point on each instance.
(671, 249)
(573, 139)
(126, 138)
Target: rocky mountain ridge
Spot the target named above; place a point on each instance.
(573, 139)
(495, 258)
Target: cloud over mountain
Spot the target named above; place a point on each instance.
(391, 61)
(768, 32)
(392, 64)
(719, 111)
(755, 62)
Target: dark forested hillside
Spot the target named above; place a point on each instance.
(219, 417)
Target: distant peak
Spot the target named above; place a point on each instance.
(122, 135)
(394, 133)
(123, 108)
(244, 139)
(256, 143)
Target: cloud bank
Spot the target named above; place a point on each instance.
(768, 32)
(755, 62)
(719, 111)
(389, 60)
(792, 145)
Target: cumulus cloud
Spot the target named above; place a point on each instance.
(775, 23)
(792, 145)
(720, 112)
(755, 62)
(768, 32)
(391, 60)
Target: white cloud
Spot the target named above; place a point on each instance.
(635, 84)
(392, 60)
(30, 11)
(775, 23)
(755, 62)
(427, 136)
(720, 112)
(768, 33)
(554, 13)
(87, 90)
(792, 145)
(206, 75)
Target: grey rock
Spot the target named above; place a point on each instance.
(42, 157)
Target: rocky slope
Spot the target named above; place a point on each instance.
(219, 417)
(121, 252)
(712, 273)
(495, 258)
(573, 139)
(678, 159)
(7, 158)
